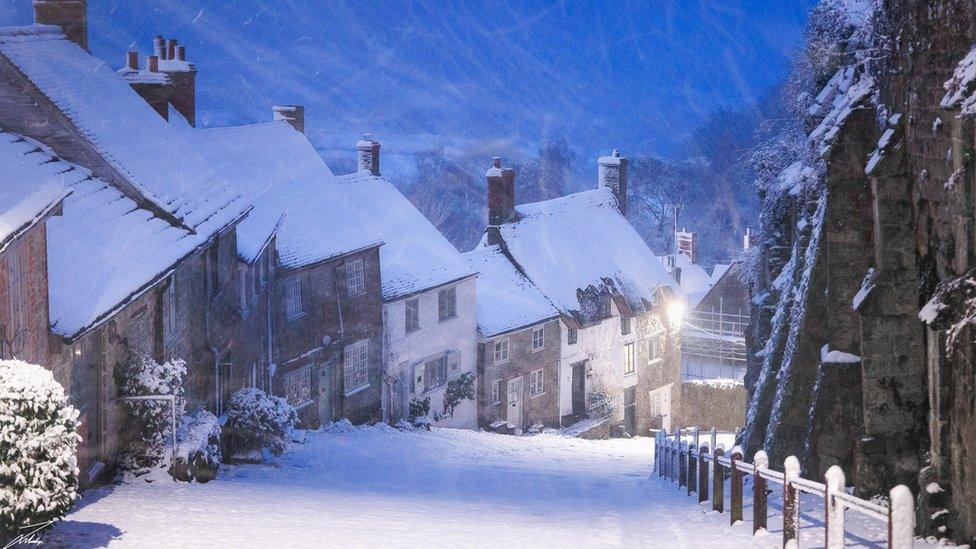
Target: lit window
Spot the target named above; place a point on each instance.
(355, 278)
(435, 373)
(496, 392)
(355, 366)
(538, 338)
(293, 298)
(628, 358)
(412, 315)
(298, 387)
(536, 383)
(501, 351)
(572, 336)
(446, 304)
(625, 325)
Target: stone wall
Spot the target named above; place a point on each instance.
(719, 404)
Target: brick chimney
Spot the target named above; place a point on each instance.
(501, 193)
(612, 173)
(70, 15)
(293, 114)
(368, 155)
(687, 243)
(131, 61)
(159, 46)
(183, 79)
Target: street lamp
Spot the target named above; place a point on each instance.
(676, 312)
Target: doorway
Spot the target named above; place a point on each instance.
(579, 389)
(514, 417)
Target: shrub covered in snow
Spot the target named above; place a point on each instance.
(38, 447)
(198, 454)
(147, 424)
(458, 390)
(419, 408)
(257, 423)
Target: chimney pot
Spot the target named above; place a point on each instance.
(368, 154)
(612, 173)
(181, 53)
(501, 193)
(159, 46)
(171, 48)
(293, 114)
(152, 63)
(132, 60)
(70, 15)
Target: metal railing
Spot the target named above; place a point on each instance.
(687, 463)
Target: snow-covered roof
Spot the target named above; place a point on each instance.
(577, 247)
(126, 132)
(258, 160)
(507, 300)
(32, 182)
(103, 251)
(695, 282)
(415, 255)
(718, 271)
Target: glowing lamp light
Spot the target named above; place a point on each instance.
(676, 312)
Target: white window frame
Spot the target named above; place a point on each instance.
(538, 338)
(500, 351)
(572, 336)
(654, 348)
(435, 373)
(355, 375)
(355, 278)
(292, 387)
(537, 382)
(625, 321)
(630, 366)
(447, 304)
(407, 318)
(496, 392)
(294, 308)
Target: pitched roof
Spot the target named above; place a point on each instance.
(32, 182)
(695, 282)
(121, 126)
(579, 245)
(507, 300)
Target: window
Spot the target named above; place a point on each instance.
(624, 325)
(355, 366)
(435, 373)
(628, 358)
(572, 336)
(169, 308)
(536, 383)
(355, 278)
(538, 338)
(213, 268)
(298, 387)
(446, 304)
(654, 348)
(501, 351)
(496, 392)
(412, 315)
(293, 298)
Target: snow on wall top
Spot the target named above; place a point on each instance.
(579, 243)
(506, 300)
(257, 160)
(122, 127)
(961, 86)
(415, 255)
(839, 98)
(31, 183)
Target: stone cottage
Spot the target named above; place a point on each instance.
(619, 354)
(518, 347)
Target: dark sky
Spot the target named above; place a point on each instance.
(466, 75)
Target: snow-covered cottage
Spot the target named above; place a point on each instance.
(518, 347)
(619, 351)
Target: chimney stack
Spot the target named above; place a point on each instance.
(687, 243)
(159, 47)
(70, 15)
(612, 173)
(132, 60)
(368, 155)
(293, 114)
(171, 48)
(152, 63)
(181, 53)
(501, 193)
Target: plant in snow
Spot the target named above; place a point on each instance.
(458, 390)
(38, 447)
(147, 424)
(197, 448)
(419, 408)
(601, 402)
(257, 423)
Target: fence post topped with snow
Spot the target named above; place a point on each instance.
(901, 518)
(834, 516)
(759, 510)
(791, 501)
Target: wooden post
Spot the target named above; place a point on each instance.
(713, 440)
(677, 455)
(702, 473)
(735, 488)
(901, 518)
(663, 433)
(693, 462)
(759, 510)
(833, 509)
(718, 481)
(672, 459)
(791, 502)
(683, 464)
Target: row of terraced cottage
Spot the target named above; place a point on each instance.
(125, 230)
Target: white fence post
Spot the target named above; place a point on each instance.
(901, 518)
(834, 509)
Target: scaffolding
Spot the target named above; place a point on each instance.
(713, 345)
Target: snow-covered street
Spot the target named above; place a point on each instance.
(377, 486)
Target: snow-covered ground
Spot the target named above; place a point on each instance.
(356, 487)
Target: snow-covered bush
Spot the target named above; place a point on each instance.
(198, 454)
(458, 390)
(256, 424)
(147, 424)
(38, 447)
(419, 408)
